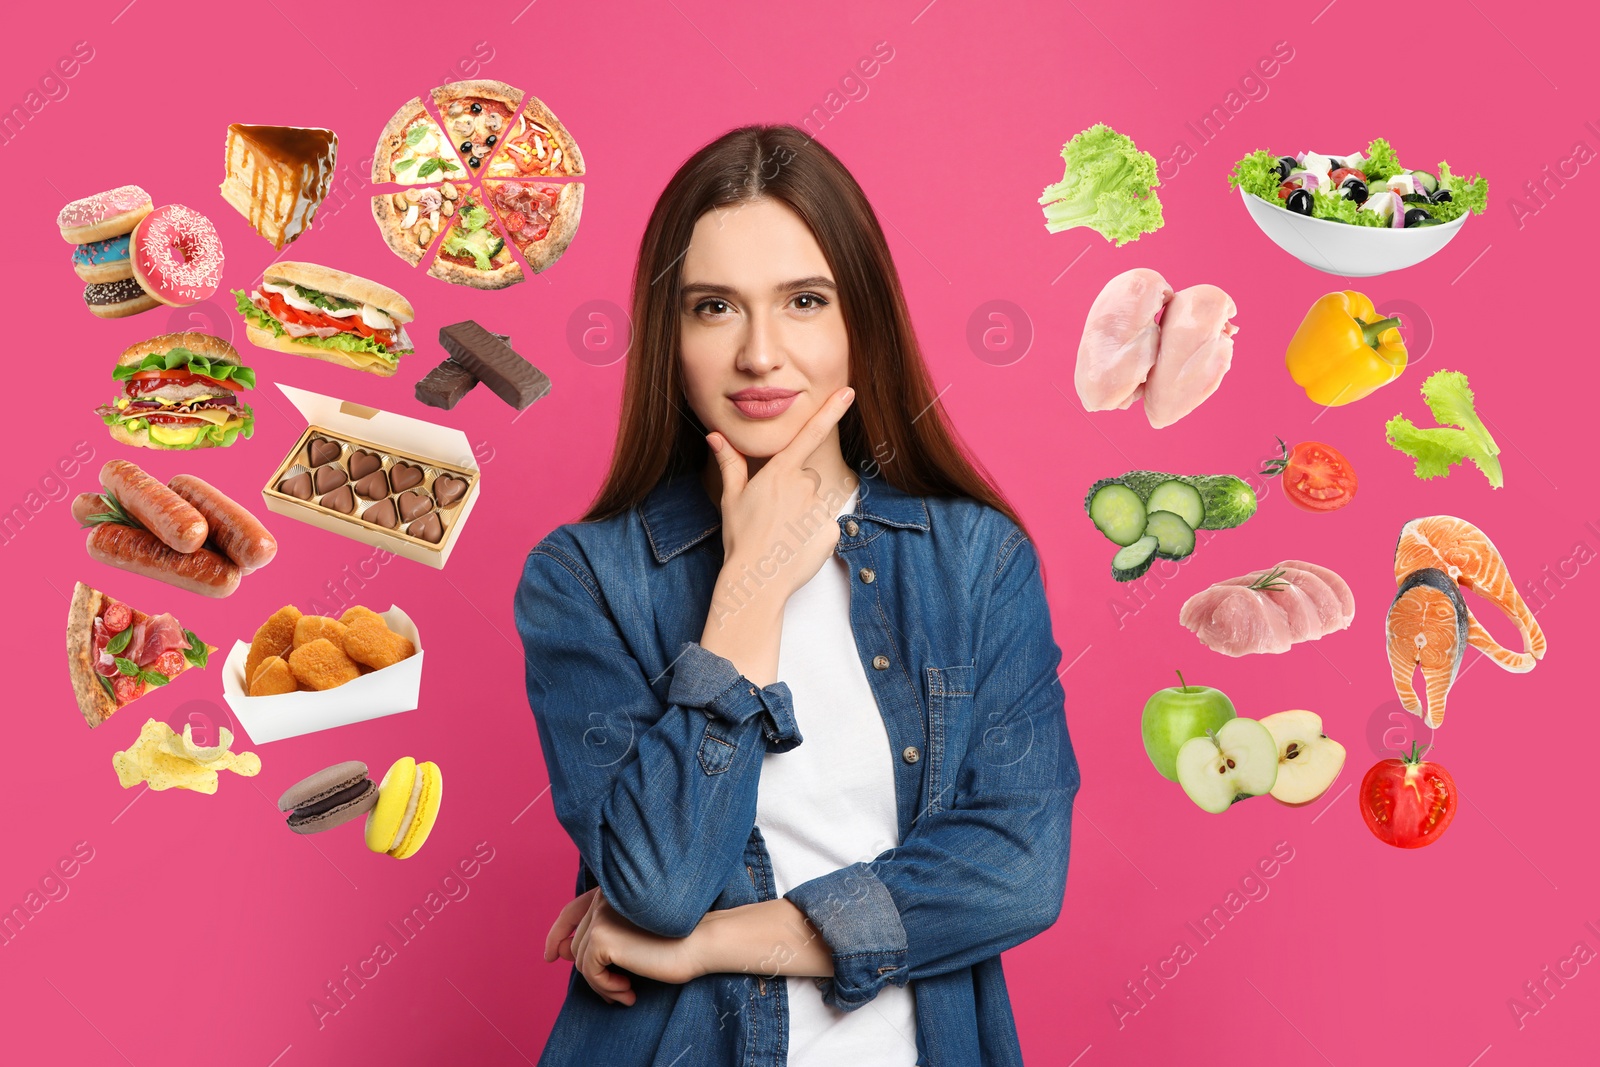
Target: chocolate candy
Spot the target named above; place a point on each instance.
(414, 504)
(445, 385)
(298, 485)
(374, 486)
(330, 478)
(448, 490)
(363, 463)
(382, 514)
(428, 528)
(341, 499)
(512, 378)
(323, 451)
(404, 476)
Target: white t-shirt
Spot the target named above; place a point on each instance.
(829, 803)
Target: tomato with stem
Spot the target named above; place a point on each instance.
(1316, 477)
(1408, 802)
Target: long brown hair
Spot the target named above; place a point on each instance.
(896, 428)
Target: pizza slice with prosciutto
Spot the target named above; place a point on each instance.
(116, 653)
(539, 217)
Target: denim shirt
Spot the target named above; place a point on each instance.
(654, 747)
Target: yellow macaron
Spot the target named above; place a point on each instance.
(408, 806)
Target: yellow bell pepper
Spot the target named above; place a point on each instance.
(1343, 351)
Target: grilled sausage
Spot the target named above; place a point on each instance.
(140, 551)
(238, 533)
(163, 512)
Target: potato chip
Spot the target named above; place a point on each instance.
(168, 761)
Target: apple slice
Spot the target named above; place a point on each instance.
(1238, 760)
(1308, 759)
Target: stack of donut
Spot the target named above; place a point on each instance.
(135, 256)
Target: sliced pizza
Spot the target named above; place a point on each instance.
(474, 250)
(116, 653)
(541, 218)
(411, 221)
(536, 145)
(476, 115)
(413, 149)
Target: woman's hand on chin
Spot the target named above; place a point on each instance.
(590, 933)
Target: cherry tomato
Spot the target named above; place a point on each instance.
(1346, 172)
(117, 617)
(126, 688)
(1317, 477)
(170, 663)
(1285, 189)
(1408, 802)
(514, 221)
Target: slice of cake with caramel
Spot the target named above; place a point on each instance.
(277, 176)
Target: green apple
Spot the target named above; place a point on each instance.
(1177, 714)
(1308, 759)
(1239, 760)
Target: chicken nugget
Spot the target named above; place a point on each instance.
(321, 664)
(311, 627)
(275, 638)
(359, 612)
(371, 642)
(273, 678)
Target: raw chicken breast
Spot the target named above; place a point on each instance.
(1195, 352)
(1299, 609)
(1341, 588)
(1120, 340)
(1330, 608)
(1236, 621)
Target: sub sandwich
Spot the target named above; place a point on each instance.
(311, 310)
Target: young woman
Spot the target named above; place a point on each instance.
(793, 673)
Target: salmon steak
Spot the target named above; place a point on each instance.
(1467, 556)
(1427, 628)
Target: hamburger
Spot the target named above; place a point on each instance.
(179, 391)
(310, 310)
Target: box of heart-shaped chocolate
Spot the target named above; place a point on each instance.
(386, 480)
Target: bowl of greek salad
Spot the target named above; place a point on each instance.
(1356, 215)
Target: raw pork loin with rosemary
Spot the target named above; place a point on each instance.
(1269, 610)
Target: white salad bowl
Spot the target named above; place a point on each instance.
(1343, 249)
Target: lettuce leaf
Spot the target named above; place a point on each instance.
(1336, 207)
(1257, 174)
(255, 316)
(1437, 449)
(1466, 194)
(1382, 162)
(243, 377)
(1108, 186)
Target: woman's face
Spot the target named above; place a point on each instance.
(761, 335)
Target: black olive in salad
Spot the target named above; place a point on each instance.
(1299, 202)
(1416, 215)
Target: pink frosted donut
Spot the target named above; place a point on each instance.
(108, 214)
(177, 255)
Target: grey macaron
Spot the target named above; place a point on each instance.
(331, 797)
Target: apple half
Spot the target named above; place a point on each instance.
(1235, 761)
(1308, 759)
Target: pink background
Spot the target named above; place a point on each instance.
(201, 931)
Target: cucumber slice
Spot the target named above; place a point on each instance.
(1175, 537)
(1424, 182)
(1131, 562)
(1117, 512)
(1180, 498)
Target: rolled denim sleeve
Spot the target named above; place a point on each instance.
(984, 868)
(702, 679)
(658, 791)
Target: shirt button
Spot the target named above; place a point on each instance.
(852, 527)
(910, 754)
(868, 575)
(880, 663)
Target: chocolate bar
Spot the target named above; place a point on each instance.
(511, 378)
(445, 385)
